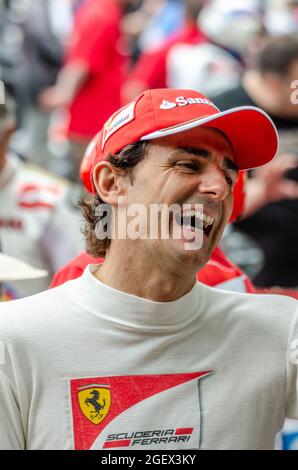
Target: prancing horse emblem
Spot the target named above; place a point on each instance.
(95, 402)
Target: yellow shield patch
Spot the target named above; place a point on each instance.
(95, 402)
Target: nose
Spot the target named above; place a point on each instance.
(213, 183)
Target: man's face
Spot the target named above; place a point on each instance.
(174, 172)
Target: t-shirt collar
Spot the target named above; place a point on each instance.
(129, 310)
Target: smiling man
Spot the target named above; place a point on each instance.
(195, 182)
(136, 354)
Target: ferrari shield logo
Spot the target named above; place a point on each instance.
(95, 402)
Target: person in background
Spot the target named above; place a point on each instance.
(150, 70)
(232, 28)
(152, 23)
(88, 85)
(32, 35)
(38, 224)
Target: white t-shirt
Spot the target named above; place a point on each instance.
(87, 367)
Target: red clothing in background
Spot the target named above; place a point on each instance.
(95, 42)
(74, 269)
(151, 68)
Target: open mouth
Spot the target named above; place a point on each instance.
(195, 220)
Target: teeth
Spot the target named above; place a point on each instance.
(207, 219)
(188, 227)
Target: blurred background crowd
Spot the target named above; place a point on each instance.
(67, 65)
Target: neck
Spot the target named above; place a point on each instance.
(131, 271)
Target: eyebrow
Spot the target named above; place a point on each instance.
(200, 152)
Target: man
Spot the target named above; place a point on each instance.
(219, 271)
(271, 86)
(106, 358)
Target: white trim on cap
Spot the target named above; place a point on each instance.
(213, 117)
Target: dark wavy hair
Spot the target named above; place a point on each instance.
(125, 160)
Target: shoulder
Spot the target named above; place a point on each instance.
(267, 304)
(272, 314)
(34, 316)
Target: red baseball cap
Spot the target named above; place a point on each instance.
(162, 112)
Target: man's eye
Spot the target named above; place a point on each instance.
(188, 165)
(231, 181)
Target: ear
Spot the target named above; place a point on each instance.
(108, 182)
